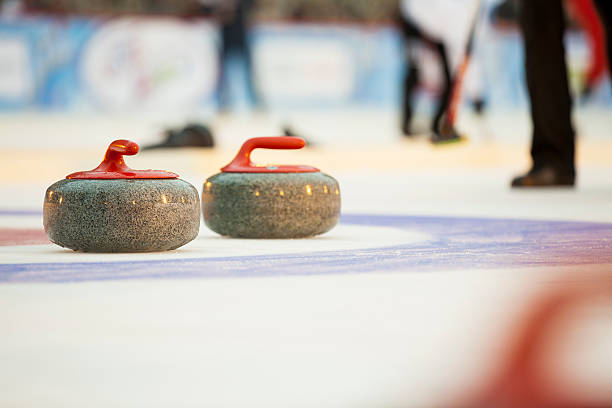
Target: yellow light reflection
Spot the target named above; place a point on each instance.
(164, 199)
(208, 185)
(182, 199)
(308, 189)
(256, 193)
(325, 189)
(133, 202)
(61, 199)
(337, 192)
(282, 193)
(50, 195)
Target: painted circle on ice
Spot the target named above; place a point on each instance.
(435, 244)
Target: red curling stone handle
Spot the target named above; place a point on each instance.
(113, 166)
(113, 159)
(242, 162)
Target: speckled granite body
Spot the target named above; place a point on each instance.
(121, 215)
(271, 205)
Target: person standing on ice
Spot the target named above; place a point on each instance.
(236, 72)
(553, 146)
(444, 26)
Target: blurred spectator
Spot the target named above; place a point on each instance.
(362, 10)
(413, 34)
(443, 26)
(553, 144)
(233, 17)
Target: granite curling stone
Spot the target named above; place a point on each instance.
(114, 208)
(275, 201)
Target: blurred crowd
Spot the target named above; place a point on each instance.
(268, 9)
(446, 28)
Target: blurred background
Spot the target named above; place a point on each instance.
(343, 74)
(77, 74)
(198, 58)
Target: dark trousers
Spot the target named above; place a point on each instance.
(543, 25)
(411, 79)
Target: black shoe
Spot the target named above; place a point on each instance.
(192, 135)
(546, 176)
(446, 134)
(406, 130)
(196, 135)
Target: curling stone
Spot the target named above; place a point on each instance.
(114, 208)
(274, 201)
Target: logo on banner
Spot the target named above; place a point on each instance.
(150, 64)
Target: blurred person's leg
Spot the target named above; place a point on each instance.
(412, 32)
(253, 95)
(446, 86)
(235, 54)
(543, 25)
(411, 80)
(222, 81)
(474, 88)
(411, 35)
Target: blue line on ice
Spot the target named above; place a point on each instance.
(458, 243)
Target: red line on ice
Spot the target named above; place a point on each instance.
(18, 236)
